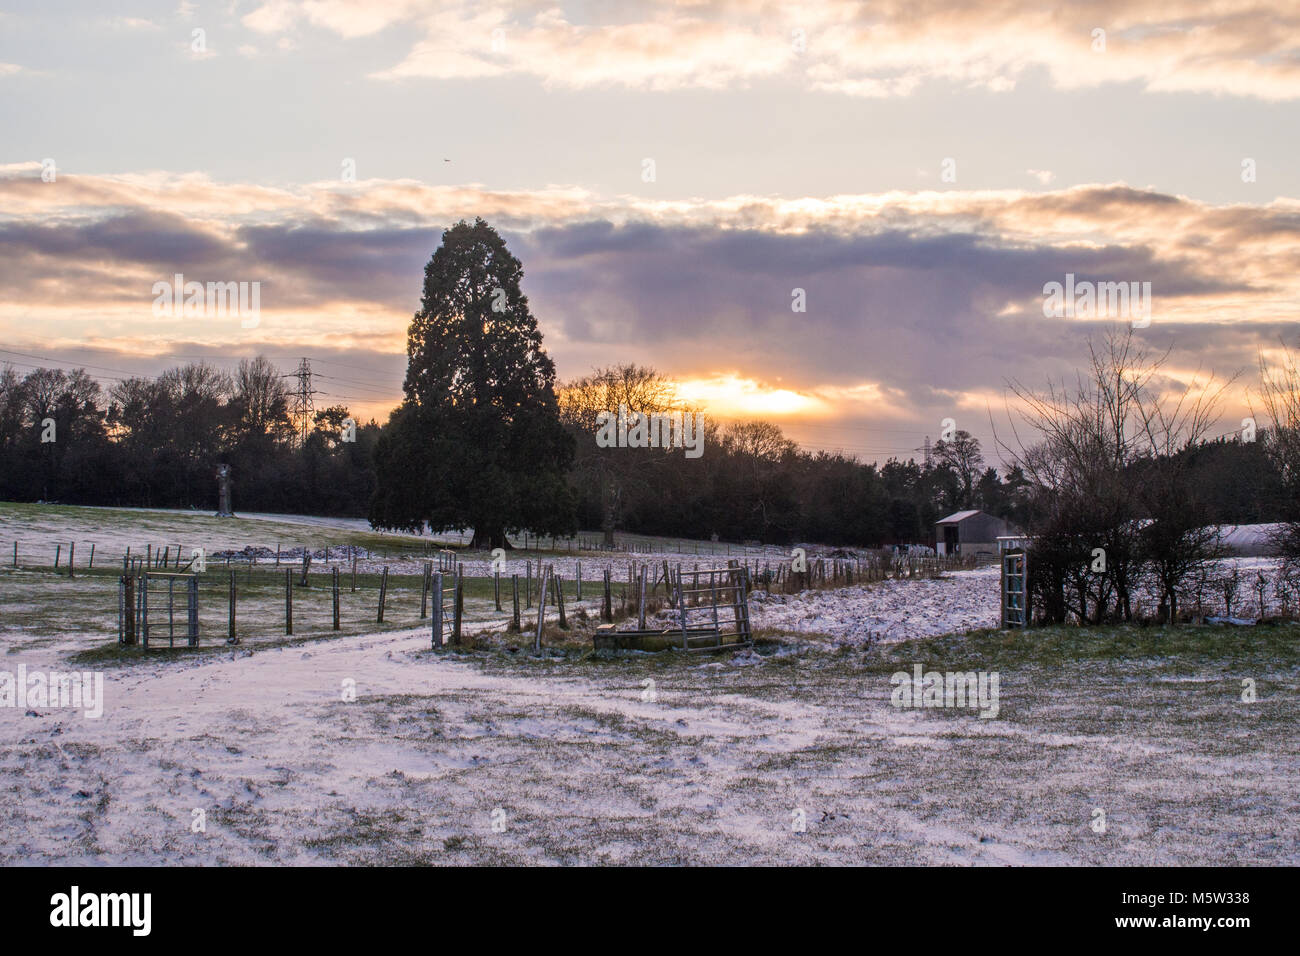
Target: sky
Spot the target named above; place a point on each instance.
(677, 179)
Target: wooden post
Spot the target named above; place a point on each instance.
(496, 588)
(58, 549)
(579, 597)
(559, 599)
(641, 612)
(541, 610)
(72, 559)
(192, 612)
(92, 556)
(459, 608)
(528, 584)
(607, 607)
(144, 610)
(230, 617)
(383, 592)
(514, 586)
(335, 577)
(15, 554)
(288, 601)
(128, 609)
(148, 556)
(424, 591)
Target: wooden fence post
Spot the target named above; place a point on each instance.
(641, 612)
(192, 612)
(559, 599)
(459, 608)
(424, 591)
(144, 610)
(72, 559)
(607, 607)
(58, 549)
(383, 592)
(230, 617)
(514, 586)
(435, 631)
(335, 577)
(496, 588)
(288, 601)
(541, 610)
(128, 609)
(579, 597)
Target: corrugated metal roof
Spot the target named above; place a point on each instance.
(957, 516)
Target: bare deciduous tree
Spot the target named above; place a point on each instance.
(1280, 390)
(1111, 497)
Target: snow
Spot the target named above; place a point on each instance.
(577, 765)
(888, 610)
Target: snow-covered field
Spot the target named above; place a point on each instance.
(888, 610)
(371, 748)
(580, 763)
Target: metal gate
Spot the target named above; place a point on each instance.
(1015, 588)
(151, 600)
(714, 612)
(448, 602)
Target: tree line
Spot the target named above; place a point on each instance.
(486, 438)
(156, 442)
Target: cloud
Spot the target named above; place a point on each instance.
(347, 18)
(882, 48)
(134, 23)
(917, 303)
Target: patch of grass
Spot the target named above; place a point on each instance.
(1177, 649)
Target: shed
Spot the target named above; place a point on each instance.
(970, 532)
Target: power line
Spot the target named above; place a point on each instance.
(60, 364)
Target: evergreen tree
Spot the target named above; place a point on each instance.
(477, 442)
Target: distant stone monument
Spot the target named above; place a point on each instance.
(223, 492)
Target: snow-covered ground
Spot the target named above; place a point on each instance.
(494, 759)
(887, 610)
(494, 756)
